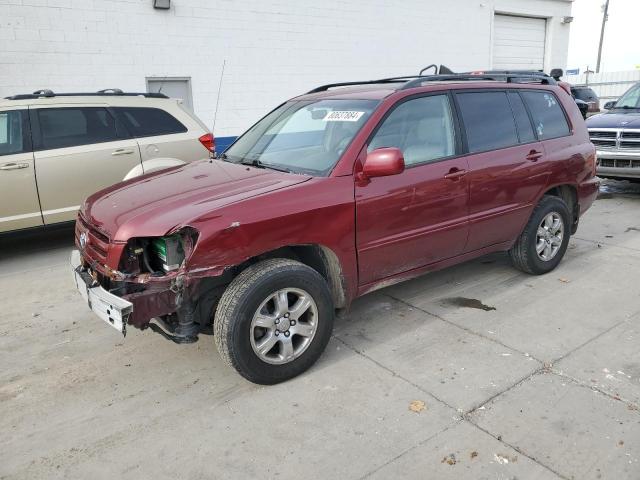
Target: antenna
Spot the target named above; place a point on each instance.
(215, 114)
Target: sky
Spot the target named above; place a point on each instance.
(621, 47)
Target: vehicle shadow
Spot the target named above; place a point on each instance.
(35, 243)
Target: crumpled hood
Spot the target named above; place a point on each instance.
(630, 119)
(154, 204)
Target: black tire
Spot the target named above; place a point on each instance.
(242, 298)
(523, 253)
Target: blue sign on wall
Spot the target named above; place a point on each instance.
(573, 71)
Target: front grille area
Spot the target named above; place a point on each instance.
(98, 243)
(630, 140)
(619, 163)
(603, 138)
(615, 139)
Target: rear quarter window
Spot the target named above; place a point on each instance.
(549, 119)
(149, 122)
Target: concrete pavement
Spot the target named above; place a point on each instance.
(512, 376)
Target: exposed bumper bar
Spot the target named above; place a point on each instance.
(112, 309)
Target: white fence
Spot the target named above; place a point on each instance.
(607, 85)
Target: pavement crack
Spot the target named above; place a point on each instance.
(395, 374)
(587, 342)
(468, 330)
(580, 383)
(410, 449)
(529, 376)
(518, 449)
(598, 242)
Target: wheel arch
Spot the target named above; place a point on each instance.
(319, 257)
(153, 165)
(569, 194)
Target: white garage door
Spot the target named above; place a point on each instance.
(518, 42)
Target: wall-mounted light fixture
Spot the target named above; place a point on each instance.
(566, 20)
(162, 4)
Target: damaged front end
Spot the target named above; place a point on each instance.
(150, 288)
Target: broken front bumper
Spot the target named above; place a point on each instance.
(112, 309)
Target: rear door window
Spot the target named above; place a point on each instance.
(488, 120)
(149, 122)
(523, 122)
(548, 117)
(14, 134)
(70, 127)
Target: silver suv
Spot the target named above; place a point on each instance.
(57, 149)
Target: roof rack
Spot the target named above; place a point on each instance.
(411, 81)
(525, 77)
(115, 92)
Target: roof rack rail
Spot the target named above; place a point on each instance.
(411, 81)
(323, 88)
(525, 77)
(115, 92)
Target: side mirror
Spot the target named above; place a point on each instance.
(609, 105)
(383, 162)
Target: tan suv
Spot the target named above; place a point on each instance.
(57, 149)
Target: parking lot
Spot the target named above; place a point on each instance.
(478, 371)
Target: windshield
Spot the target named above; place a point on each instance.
(631, 99)
(302, 137)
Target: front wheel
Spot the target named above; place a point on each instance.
(274, 320)
(543, 242)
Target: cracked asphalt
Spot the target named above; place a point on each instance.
(475, 372)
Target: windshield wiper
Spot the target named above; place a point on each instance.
(258, 164)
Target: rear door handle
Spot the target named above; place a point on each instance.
(122, 151)
(455, 174)
(14, 166)
(534, 156)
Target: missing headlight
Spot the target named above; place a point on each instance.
(159, 255)
(169, 251)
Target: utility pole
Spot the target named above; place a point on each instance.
(605, 17)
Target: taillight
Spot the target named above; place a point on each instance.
(208, 142)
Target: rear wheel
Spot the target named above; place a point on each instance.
(274, 320)
(543, 242)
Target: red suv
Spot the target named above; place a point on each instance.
(335, 193)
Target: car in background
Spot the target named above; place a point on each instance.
(586, 94)
(583, 107)
(616, 135)
(348, 188)
(57, 149)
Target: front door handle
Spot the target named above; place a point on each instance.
(122, 151)
(14, 166)
(534, 156)
(455, 174)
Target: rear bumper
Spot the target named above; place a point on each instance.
(112, 309)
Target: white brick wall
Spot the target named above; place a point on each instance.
(274, 49)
